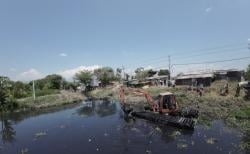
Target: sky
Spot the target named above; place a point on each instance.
(40, 37)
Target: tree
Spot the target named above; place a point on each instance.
(142, 74)
(54, 81)
(3, 98)
(7, 102)
(138, 70)
(247, 74)
(21, 90)
(4, 81)
(151, 72)
(119, 73)
(105, 75)
(84, 77)
(163, 72)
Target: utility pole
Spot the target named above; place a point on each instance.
(34, 90)
(249, 44)
(124, 74)
(169, 66)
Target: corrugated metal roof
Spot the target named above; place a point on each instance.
(157, 77)
(195, 76)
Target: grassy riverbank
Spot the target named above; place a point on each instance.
(62, 98)
(235, 111)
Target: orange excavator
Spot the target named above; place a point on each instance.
(165, 109)
(165, 104)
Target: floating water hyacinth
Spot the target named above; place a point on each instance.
(40, 134)
(212, 141)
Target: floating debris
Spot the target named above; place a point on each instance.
(40, 134)
(129, 141)
(135, 130)
(24, 151)
(212, 141)
(62, 126)
(97, 149)
(192, 143)
(175, 134)
(182, 140)
(90, 140)
(158, 129)
(106, 134)
(182, 146)
(148, 151)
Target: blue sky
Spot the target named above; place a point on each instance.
(62, 36)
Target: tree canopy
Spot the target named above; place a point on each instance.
(247, 74)
(84, 77)
(105, 75)
(163, 72)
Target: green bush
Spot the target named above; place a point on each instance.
(46, 92)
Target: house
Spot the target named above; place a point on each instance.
(95, 83)
(201, 79)
(231, 74)
(158, 80)
(136, 83)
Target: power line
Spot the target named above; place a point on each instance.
(209, 62)
(192, 56)
(221, 48)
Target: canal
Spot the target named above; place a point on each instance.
(100, 127)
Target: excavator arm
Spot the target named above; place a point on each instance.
(154, 105)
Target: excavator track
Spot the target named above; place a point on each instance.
(176, 121)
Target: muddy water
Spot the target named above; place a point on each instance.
(100, 127)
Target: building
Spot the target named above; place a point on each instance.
(202, 79)
(231, 74)
(95, 83)
(158, 80)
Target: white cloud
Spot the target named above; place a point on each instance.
(209, 9)
(69, 74)
(31, 74)
(63, 55)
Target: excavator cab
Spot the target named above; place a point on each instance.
(167, 102)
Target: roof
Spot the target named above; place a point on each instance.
(195, 76)
(157, 77)
(166, 93)
(228, 70)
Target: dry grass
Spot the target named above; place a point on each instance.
(63, 98)
(212, 105)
